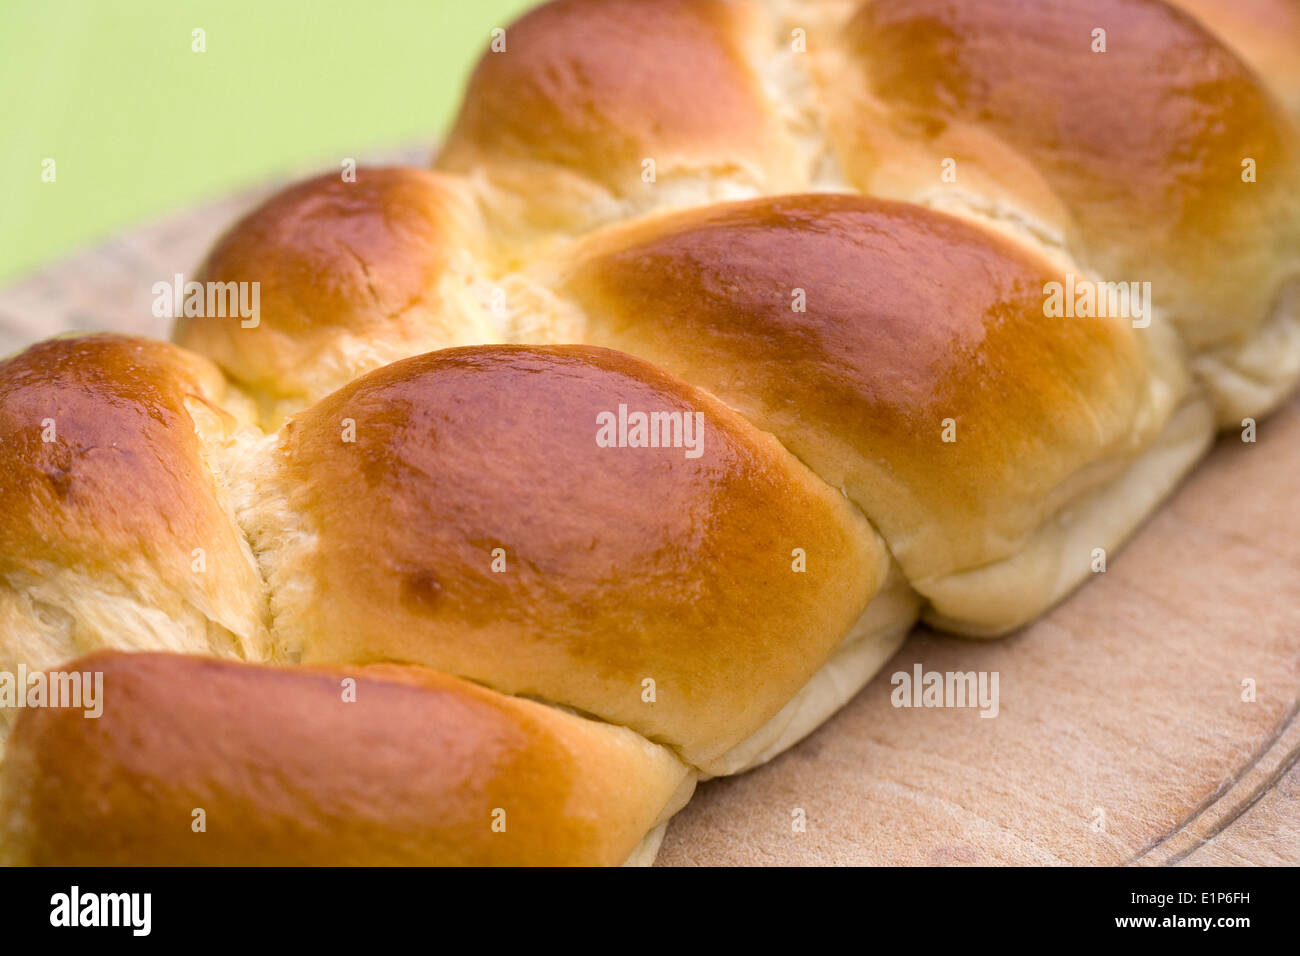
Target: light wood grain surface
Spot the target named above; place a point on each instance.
(1122, 734)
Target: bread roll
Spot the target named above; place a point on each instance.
(726, 339)
(1160, 160)
(565, 133)
(116, 528)
(906, 357)
(1000, 110)
(351, 275)
(456, 510)
(202, 762)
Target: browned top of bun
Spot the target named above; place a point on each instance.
(592, 88)
(105, 473)
(911, 318)
(350, 274)
(287, 772)
(1141, 145)
(622, 565)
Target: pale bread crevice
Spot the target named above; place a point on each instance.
(645, 852)
(1059, 557)
(1252, 379)
(874, 638)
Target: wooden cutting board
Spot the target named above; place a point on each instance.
(1122, 734)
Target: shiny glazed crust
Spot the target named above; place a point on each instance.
(824, 230)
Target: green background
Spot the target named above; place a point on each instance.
(140, 125)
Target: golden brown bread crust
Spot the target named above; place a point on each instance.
(1134, 155)
(588, 89)
(622, 565)
(352, 275)
(912, 318)
(108, 487)
(655, 567)
(288, 773)
(553, 132)
(1264, 33)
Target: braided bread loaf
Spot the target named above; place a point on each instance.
(625, 446)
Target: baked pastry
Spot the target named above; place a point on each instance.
(725, 341)
(333, 783)
(107, 489)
